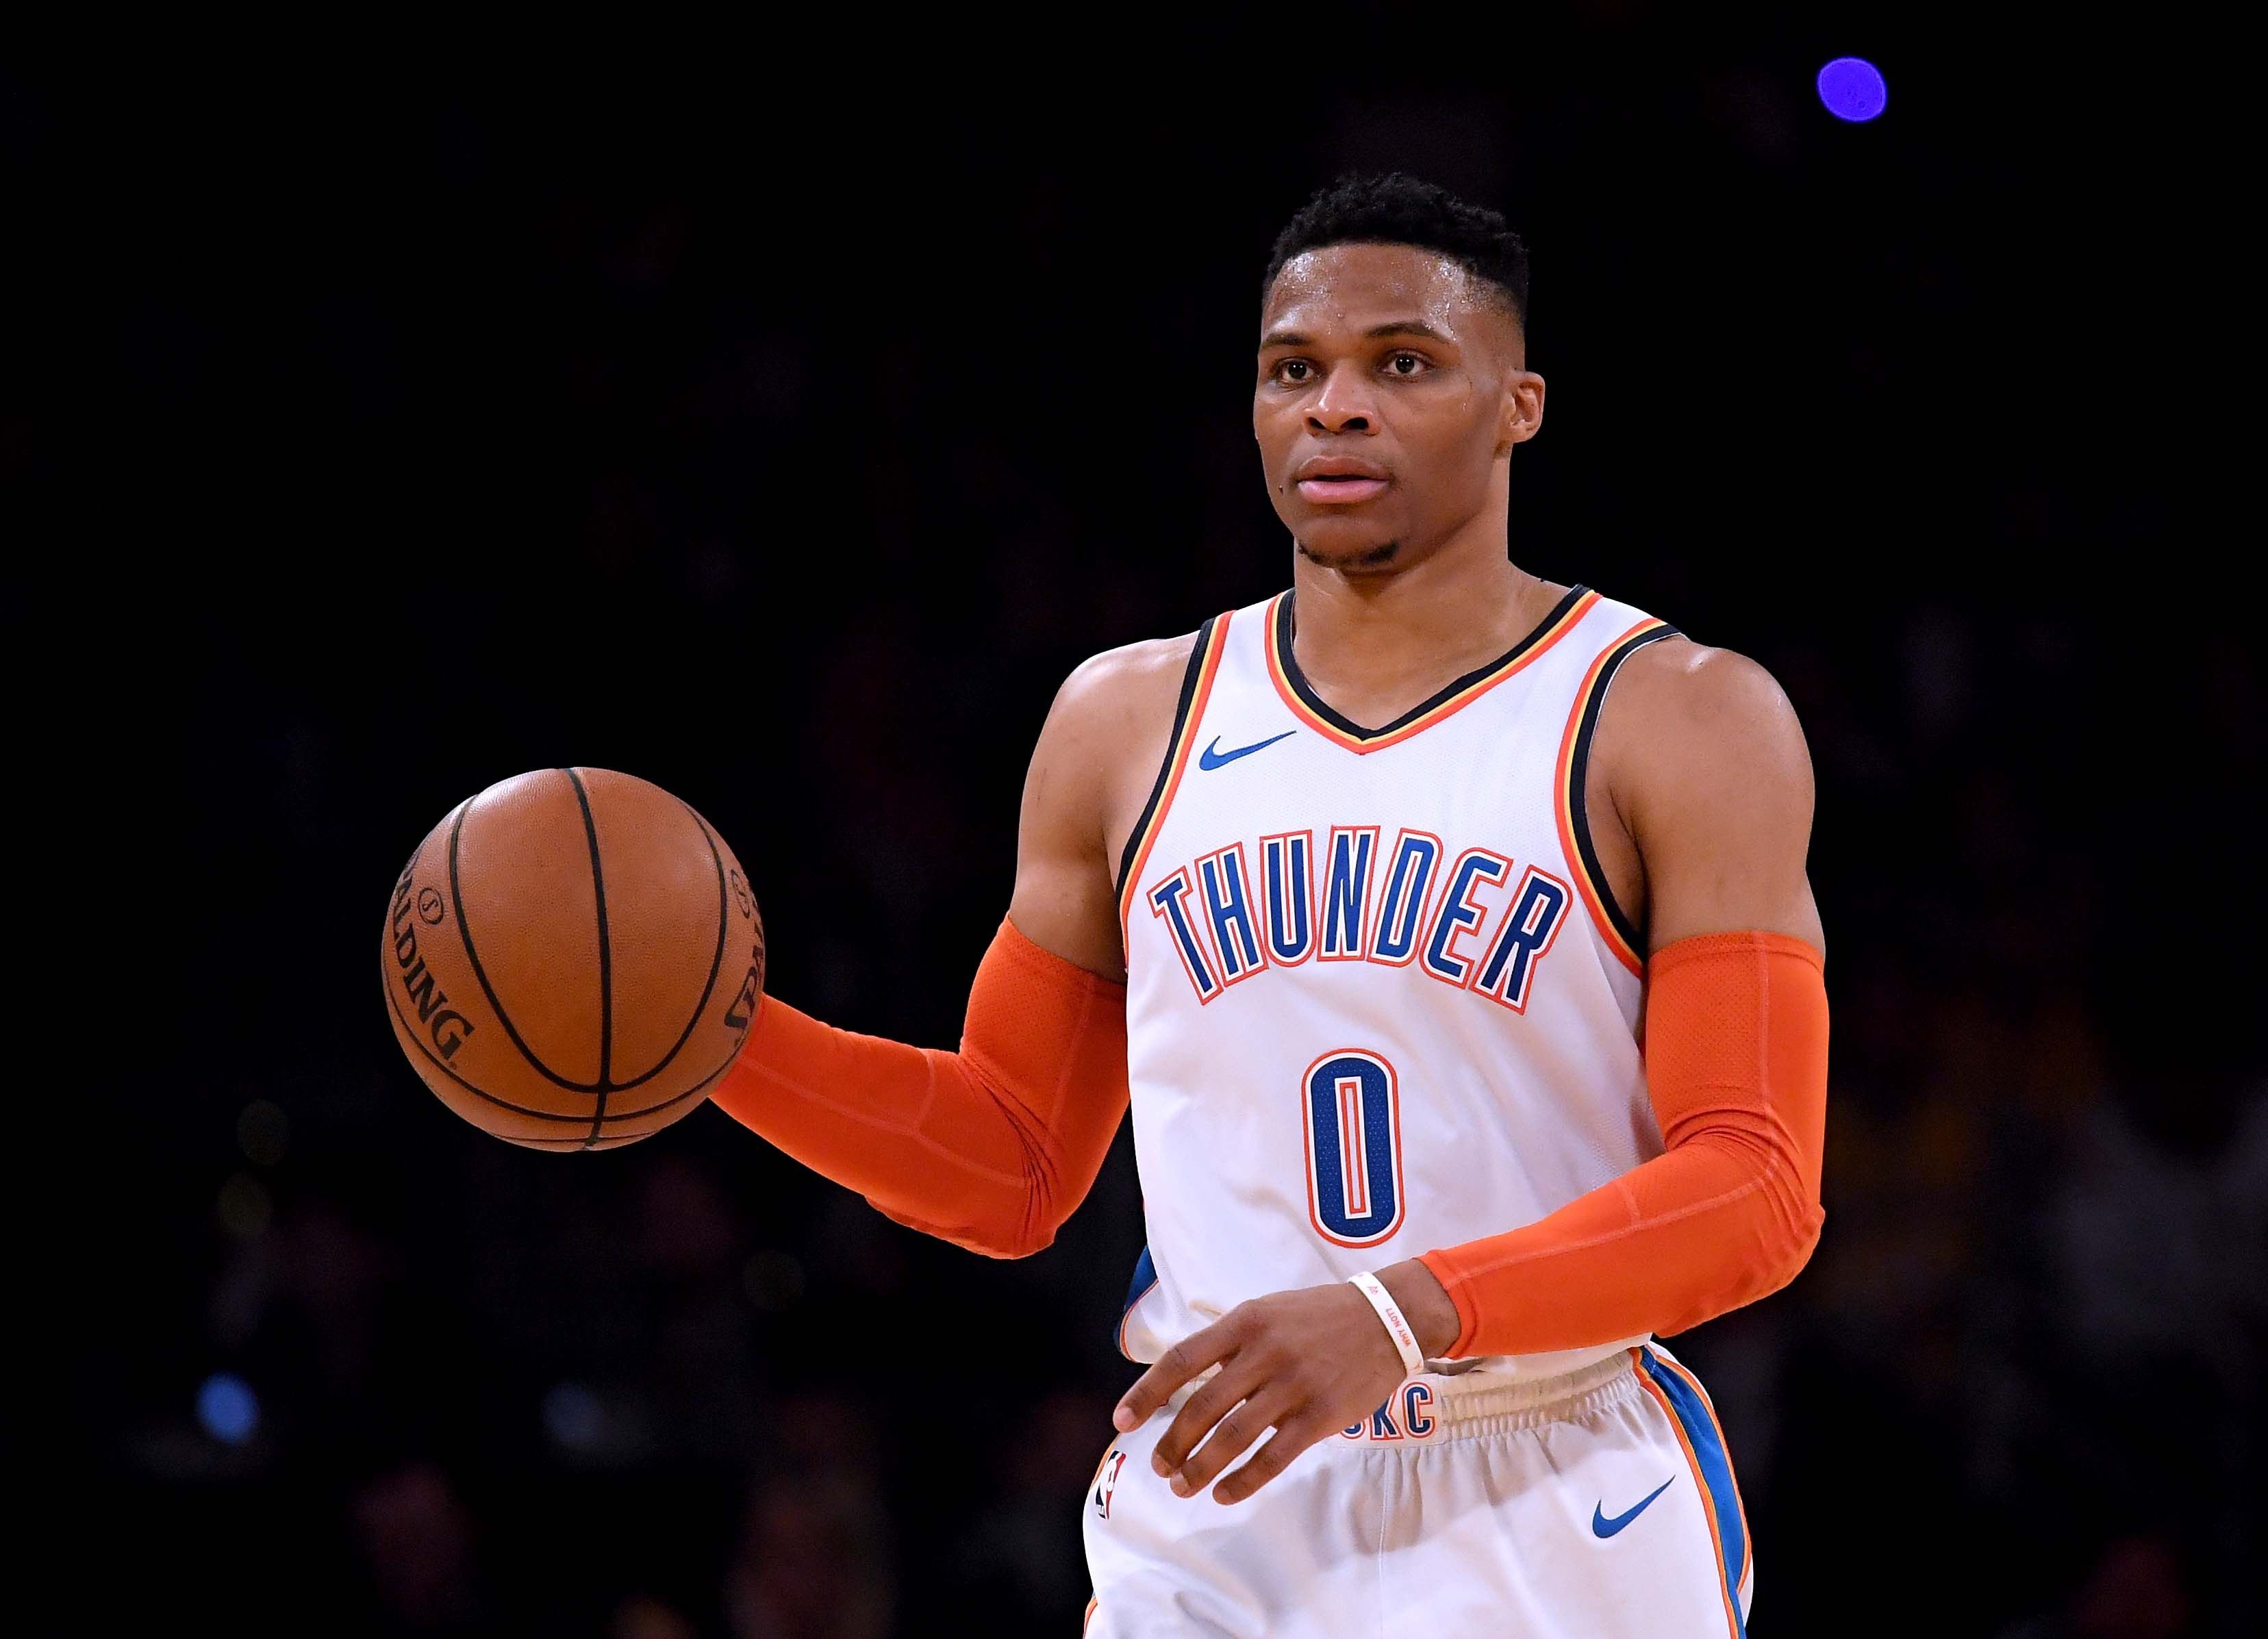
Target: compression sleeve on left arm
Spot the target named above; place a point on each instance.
(1736, 1068)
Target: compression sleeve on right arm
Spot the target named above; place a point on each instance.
(991, 1147)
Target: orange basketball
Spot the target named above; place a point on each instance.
(572, 959)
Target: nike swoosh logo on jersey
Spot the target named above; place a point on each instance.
(1212, 757)
(1601, 1526)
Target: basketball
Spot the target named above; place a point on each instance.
(572, 959)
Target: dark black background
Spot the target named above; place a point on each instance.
(782, 427)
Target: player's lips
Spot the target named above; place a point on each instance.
(1339, 479)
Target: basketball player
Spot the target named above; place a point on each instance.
(1369, 894)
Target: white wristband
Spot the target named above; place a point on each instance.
(1413, 1358)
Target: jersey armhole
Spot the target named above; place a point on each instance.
(1197, 683)
(1623, 936)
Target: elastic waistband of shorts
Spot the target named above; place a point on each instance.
(1436, 1408)
(1473, 1403)
(1433, 1407)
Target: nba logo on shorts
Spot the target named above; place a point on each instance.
(1106, 1481)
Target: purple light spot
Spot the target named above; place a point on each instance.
(1853, 89)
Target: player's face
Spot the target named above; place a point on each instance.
(1388, 391)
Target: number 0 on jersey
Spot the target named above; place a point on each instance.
(1353, 1134)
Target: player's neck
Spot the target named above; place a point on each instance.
(1375, 645)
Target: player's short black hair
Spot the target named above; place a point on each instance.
(1396, 209)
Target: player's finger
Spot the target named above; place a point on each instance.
(1177, 1366)
(1295, 1436)
(1203, 1409)
(1245, 1424)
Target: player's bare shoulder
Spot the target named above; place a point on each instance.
(1097, 757)
(1681, 710)
(1115, 712)
(1700, 773)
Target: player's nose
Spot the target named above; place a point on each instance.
(1345, 404)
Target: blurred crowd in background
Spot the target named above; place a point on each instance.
(457, 430)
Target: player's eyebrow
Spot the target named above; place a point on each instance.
(1408, 327)
(1398, 326)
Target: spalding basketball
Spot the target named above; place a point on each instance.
(572, 959)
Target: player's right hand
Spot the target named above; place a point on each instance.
(1305, 1364)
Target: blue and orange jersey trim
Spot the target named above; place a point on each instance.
(1621, 936)
(1197, 688)
(1680, 1394)
(1310, 707)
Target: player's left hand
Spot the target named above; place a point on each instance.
(1305, 1364)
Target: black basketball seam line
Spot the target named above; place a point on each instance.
(604, 1141)
(442, 1065)
(496, 1002)
(579, 1142)
(716, 960)
(648, 1109)
(465, 937)
(1579, 768)
(606, 955)
(521, 1109)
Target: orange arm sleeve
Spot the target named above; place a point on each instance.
(1736, 1065)
(991, 1148)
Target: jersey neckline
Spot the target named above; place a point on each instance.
(1298, 694)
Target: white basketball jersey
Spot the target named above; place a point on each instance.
(1378, 999)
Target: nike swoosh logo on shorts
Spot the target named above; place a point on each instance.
(1212, 757)
(1601, 1526)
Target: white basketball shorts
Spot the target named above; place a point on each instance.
(1591, 1506)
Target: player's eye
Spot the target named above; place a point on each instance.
(1406, 365)
(1292, 372)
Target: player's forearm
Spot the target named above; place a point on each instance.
(990, 1147)
(1685, 1238)
(1737, 1066)
(908, 1127)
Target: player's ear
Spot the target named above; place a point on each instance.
(1520, 414)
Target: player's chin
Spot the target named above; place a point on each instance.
(1352, 545)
